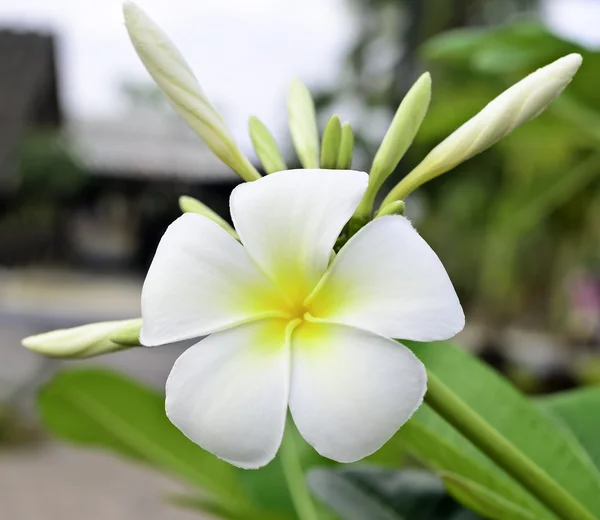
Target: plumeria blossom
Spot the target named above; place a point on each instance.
(288, 326)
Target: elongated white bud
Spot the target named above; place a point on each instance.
(87, 340)
(514, 107)
(177, 81)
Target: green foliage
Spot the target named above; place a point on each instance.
(382, 494)
(508, 415)
(107, 410)
(440, 447)
(578, 411)
(47, 168)
(531, 196)
(482, 500)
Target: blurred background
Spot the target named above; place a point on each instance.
(92, 161)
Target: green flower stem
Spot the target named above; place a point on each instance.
(503, 452)
(294, 476)
(406, 186)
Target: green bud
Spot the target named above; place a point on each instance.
(399, 137)
(303, 124)
(87, 340)
(192, 205)
(394, 208)
(177, 81)
(265, 146)
(332, 136)
(344, 158)
(517, 105)
(129, 334)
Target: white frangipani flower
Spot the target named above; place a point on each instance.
(287, 327)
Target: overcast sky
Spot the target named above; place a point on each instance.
(244, 52)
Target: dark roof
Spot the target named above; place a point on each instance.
(144, 147)
(28, 90)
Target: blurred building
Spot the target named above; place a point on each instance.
(89, 194)
(28, 94)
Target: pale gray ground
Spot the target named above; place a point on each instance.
(47, 480)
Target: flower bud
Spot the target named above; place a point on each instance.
(398, 138)
(330, 147)
(177, 81)
(87, 340)
(519, 104)
(303, 125)
(192, 205)
(265, 146)
(393, 208)
(344, 159)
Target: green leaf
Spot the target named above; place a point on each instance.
(381, 494)
(226, 511)
(104, 409)
(440, 447)
(108, 410)
(578, 411)
(482, 500)
(513, 417)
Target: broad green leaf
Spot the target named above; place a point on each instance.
(519, 46)
(440, 447)
(578, 410)
(104, 409)
(222, 510)
(108, 410)
(484, 501)
(373, 493)
(515, 418)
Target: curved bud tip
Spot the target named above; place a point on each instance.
(133, 13)
(175, 78)
(516, 106)
(568, 64)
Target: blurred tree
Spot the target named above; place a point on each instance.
(47, 167)
(514, 223)
(383, 62)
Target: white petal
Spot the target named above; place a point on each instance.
(388, 280)
(351, 390)
(200, 280)
(229, 393)
(290, 220)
